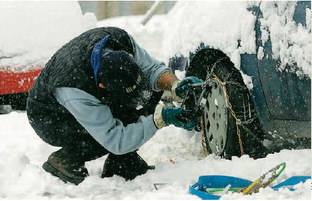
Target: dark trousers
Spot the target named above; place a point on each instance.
(56, 126)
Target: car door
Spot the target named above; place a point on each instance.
(287, 94)
(281, 95)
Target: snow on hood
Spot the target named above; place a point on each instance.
(290, 42)
(35, 30)
(221, 25)
(217, 23)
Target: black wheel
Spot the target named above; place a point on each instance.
(229, 123)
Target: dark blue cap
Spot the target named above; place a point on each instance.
(96, 57)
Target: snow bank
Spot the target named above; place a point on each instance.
(150, 36)
(217, 23)
(32, 31)
(175, 152)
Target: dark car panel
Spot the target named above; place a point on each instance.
(282, 98)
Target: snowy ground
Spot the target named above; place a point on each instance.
(176, 154)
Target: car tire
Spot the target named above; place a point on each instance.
(228, 103)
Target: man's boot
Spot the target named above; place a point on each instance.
(68, 170)
(127, 166)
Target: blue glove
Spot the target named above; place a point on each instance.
(178, 117)
(180, 88)
(165, 116)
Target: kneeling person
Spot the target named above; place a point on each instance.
(97, 95)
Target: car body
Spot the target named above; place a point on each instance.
(279, 89)
(282, 98)
(14, 87)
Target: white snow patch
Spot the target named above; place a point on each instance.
(260, 54)
(247, 80)
(214, 23)
(150, 36)
(175, 152)
(33, 31)
(290, 42)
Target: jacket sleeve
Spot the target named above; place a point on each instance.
(98, 120)
(149, 65)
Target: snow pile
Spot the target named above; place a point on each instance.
(229, 26)
(216, 23)
(150, 36)
(33, 31)
(175, 152)
(291, 42)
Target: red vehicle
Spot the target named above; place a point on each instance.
(14, 86)
(45, 28)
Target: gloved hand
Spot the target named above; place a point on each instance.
(164, 116)
(180, 87)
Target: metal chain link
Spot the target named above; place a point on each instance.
(203, 138)
(229, 105)
(212, 76)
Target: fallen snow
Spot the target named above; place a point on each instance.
(176, 153)
(289, 41)
(211, 22)
(149, 36)
(221, 24)
(32, 31)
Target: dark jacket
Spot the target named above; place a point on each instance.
(70, 66)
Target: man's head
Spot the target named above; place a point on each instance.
(119, 74)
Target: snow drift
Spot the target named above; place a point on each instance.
(175, 152)
(33, 31)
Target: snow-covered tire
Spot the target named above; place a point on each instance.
(220, 131)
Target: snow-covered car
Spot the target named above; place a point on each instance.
(33, 32)
(265, 92)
